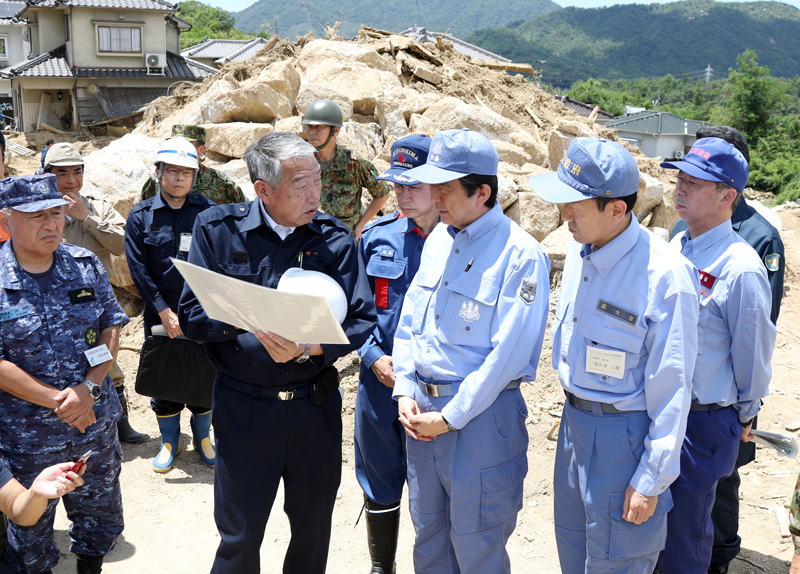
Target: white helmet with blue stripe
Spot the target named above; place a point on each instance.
(177, 151)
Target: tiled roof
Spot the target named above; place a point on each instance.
(104, 104)
(54, 64)
(227, 50)
(10, 9)
(652, 122)
(422, 36)
(119, 4)
(582, 109)
(245, 52)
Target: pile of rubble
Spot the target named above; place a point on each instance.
(388, 86)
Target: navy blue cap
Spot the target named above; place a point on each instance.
(455, 154)
(407, 153)
(714, 159)
(592, 168)
(31, 193)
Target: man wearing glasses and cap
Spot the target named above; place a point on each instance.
(391, 249)
(736, 339)
(469, 333)
(624, 345)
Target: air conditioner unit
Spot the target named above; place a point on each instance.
(156, 60)
(679, 154)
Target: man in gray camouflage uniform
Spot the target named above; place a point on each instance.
(58, 402)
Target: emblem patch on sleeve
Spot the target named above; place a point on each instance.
(772, 261)
(527, 291)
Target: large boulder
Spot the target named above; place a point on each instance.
(251, 103)
(650, 194)
(389, 114)
(357, 82)
(557, 147)
(538, 217)
(120, 168)
(511, 153)
(365, 139)
(452, 113)
(293, 125)
(238, 172)
(575, 127)
(320, 54)
(310, 93)
(420, 125)
(532, 146)
(664, 214)
(415, 103)
(234, 138)
(282, 77)
(555, 246)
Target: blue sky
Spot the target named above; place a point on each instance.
(236, 5)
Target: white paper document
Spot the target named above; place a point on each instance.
(784, 445)
(298, 318)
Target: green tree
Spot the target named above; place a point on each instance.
(210, 22)
(754, 96)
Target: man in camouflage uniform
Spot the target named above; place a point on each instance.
(211, 183)
(794, 528)
(56, 304)
(92, 222)
(344, 173)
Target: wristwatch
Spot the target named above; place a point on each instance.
(94, 389)
(306, 354)
(450, 428)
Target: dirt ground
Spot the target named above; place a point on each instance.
(169, 517)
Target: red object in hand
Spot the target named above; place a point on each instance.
(81, 462)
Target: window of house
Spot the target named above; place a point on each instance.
(66, 27)
(3, 48)
(119, 39)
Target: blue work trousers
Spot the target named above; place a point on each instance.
(95, 508)
(380, 441)
(465, 489)
(260, 441)
(596, 457)
(708, 455)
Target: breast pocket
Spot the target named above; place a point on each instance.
(426, 279)
(161, 246)
(85, 324)
(618, 337)
(242, 271)
(470, 310)
(384, 271)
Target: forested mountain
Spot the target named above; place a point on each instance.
(296, 17)
(638, 40)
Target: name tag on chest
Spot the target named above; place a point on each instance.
(15, 313)
(186, 242)
(97, 355)
(605, 362)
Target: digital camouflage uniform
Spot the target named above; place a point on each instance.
(211, 183)
(342, 183)
(45, 334)
(794, 517)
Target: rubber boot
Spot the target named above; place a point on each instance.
(170, 427)
(383, 526)
(201, 424)
(124, 428)
(89, 564)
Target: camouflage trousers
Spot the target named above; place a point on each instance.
(794, 517)
(95, 508)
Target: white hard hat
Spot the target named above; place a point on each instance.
(177, 151)
(304, 282)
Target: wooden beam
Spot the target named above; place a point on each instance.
(508, 66)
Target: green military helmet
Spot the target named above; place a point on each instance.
(323, 112)
(191, 133)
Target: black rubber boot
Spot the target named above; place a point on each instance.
(89, 564)
(383, 526)
(124, 428)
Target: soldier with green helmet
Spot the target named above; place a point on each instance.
(344, 174)
(211, 183)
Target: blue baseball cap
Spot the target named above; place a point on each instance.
(455, 154)
(714, 159)
(407, 153)
(592, 168)
(31, 193)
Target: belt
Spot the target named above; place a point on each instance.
(446, 389)
(584, 405)
(701, 407)
(257, 391)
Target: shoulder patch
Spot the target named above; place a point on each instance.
(385, 220)
(772, 261)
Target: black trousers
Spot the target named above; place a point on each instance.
(259, 442)
(725, 515)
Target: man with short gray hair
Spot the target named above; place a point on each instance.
(277, 411)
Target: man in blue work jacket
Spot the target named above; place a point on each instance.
(736, 340)
(766, 240)
(157, 230)
(391, 249)
(469, 333)
(59, 331)
(624, 345)
(277, 411)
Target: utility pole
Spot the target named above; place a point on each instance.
(709, 73)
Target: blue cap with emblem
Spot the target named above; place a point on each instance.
(714, 159)
(592, 168)
(31, 193)
(407, 153)
(455, 154)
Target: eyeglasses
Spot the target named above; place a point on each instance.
(401, 189)
(186, 173)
